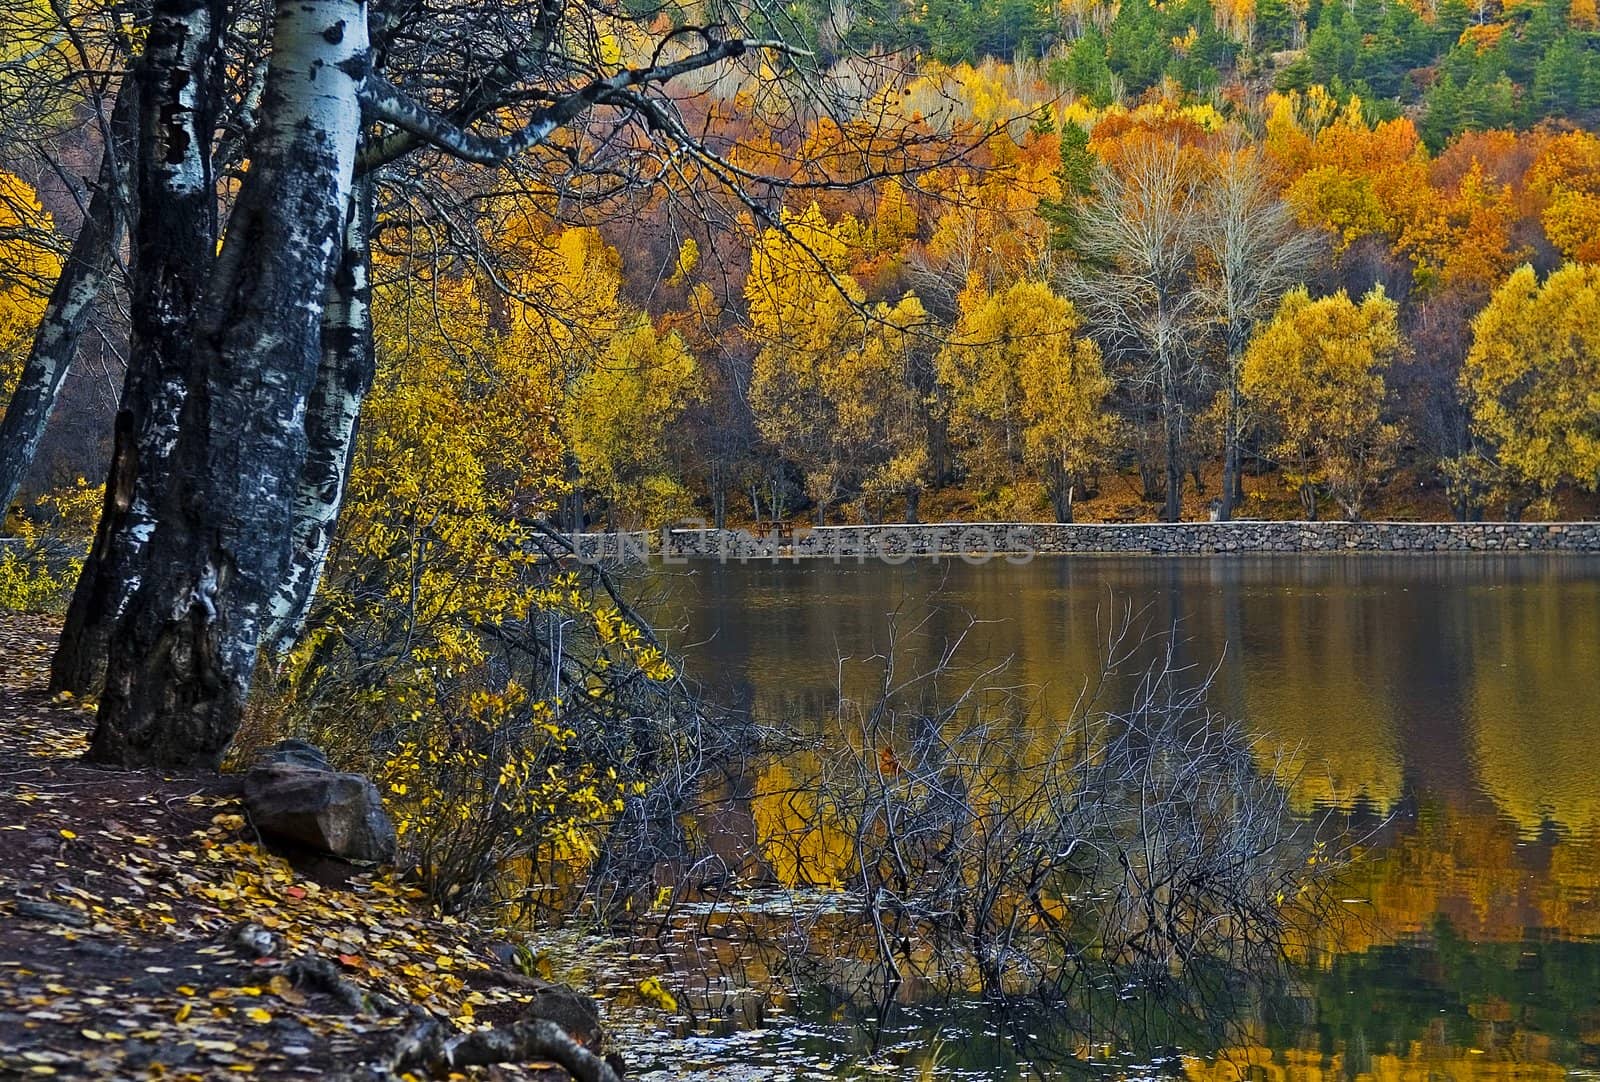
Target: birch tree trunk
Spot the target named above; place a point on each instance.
(72, 300)
(1257, 252)
(343, 378)
(174, 246)
(186, 645)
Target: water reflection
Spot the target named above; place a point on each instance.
(1533, 703)
(1468, 679)
(1453, 701)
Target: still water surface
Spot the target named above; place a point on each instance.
(1457, 699)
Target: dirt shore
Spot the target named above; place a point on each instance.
(146, 933)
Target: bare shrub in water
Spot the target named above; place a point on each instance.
(1134, 871)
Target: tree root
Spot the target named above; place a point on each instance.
(319, 975)
(510, 979)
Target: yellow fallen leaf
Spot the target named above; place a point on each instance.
(653, 990)
(69, 835)
(256, 1014)
(183, 1013)
(284, 990)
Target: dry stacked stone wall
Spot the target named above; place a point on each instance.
(1019, 541)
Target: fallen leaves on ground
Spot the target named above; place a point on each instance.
(144, 932)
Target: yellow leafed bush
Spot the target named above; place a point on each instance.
(44, 549)
(451, 654)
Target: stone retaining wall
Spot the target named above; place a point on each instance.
(987, 540)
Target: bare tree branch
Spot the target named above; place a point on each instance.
(386, 102)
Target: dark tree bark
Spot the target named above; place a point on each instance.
(72, 300)
(1308, 501)
(1231, 481)
(185, 647)
(428, 1047)
(1062, 486)
(344, 377)
(575, 511)
(174, 245)
(1172, 421)
(1149, 479)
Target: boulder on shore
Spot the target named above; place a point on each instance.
(295, 753)
(293, 795)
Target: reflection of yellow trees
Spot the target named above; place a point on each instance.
(1329, 710)
(804, 842)
(1463, 867)
(1533, 732)
(1314, 685)
(1468, 868)
(1420, 1063)
(1572, 889)
(1307, 674)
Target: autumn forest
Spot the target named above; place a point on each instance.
(1278, 249)
(333, 331)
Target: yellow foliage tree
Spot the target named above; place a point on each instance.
(617, 419)
(1532, 380)
(49, 539)
(1572, 222)
(831, 385)
(990, 224)
(1315, 374)
(1237, 19)
(1345, 204)
(1459, 236)
(458, 443)
(488, 761)
(1566, 175)
(28, 268)
(46, 547)
(1024, 393)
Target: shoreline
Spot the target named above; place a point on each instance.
(1019, 542)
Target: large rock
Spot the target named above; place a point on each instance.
(292, 795)
(295, 753)
(571, 1010)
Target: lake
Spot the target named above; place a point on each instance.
(1452, 701)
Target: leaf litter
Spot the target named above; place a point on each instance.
(145, 933)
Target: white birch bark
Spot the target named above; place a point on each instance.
(343, 378)
(185, 649)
